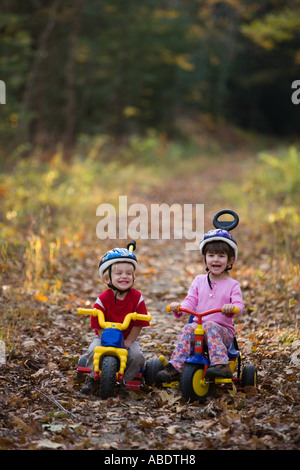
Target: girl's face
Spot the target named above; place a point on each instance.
(217, 262)
(122, 275)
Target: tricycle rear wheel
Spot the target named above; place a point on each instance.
(152, 367)
(81, 363)
(249, 376)
(191, 383)
(108, 376)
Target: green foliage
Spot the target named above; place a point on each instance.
(274, 28)
(280, 185)
(156, 150)
(39, 195)
(280, 176)
(47, 202)
(270, 199)
(79, 67)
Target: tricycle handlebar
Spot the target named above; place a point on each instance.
(95, 312)
(200, 315)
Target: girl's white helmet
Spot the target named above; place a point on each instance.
(219, 235)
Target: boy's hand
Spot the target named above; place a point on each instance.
(134, 333)
(227, 309)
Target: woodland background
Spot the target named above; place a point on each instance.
(175, 102)
(93, 67)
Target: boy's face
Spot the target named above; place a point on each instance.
(217, 262)
(122, 275)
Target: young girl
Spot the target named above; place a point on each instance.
(208, 291)
(117, 271)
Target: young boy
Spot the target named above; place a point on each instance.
(117, 271)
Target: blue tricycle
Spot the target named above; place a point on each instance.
(193, 383)
(110, 358)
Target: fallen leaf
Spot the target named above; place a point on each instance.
(41, 298)
(172, 429)
(47, 444)
(20, 424)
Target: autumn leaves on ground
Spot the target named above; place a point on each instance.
(49, 258)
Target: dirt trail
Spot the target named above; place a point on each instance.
(41, 406)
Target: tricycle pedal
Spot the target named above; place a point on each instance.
(84, 370)
(174, 384)
(133, 384)
(220, 380)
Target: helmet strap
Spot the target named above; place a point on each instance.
(208, 279)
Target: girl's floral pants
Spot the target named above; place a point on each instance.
(217, 338)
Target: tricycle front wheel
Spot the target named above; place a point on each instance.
(192, 385)
(108, 377)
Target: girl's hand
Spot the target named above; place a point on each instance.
(174, 307)
(227, 309)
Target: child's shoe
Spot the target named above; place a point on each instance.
(168, 374)
(219, 370)
(90, 385)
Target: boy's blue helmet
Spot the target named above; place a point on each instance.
(116, 255)
(220, 235)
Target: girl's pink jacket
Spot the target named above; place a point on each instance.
(202, 298)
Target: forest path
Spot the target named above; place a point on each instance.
(42, 405)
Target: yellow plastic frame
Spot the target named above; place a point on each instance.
(121, 353)
(110, 351)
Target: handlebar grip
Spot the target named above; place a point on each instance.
(226, 225)
(131, 246)
(82, 311)
(235, 311)
(88, 311)
(142, 317)
(168, 308)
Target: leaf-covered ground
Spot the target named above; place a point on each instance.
(41, 406)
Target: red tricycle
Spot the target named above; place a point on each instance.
(193, 383)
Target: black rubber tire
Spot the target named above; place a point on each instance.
(152, 367)
(81, 363)
(249, 376)
(108, 377)
(190, 383)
